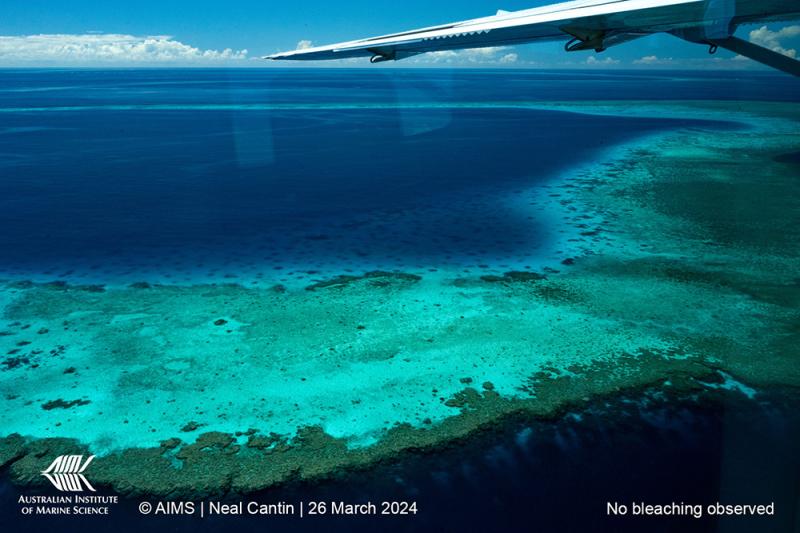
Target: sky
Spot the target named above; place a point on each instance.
(205, 33)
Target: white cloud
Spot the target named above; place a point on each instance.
(305, 44)
(773, 39)
(509, 58)
(654, 61)
(89, 49)
(488, 52)
(646, 60)
(476, 56)
(608, 61)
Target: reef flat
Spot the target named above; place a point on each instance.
(679, 270)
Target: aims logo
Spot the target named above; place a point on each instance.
(66, 473)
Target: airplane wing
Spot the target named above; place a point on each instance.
(585, 24)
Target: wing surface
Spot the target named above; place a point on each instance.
(592, 24)
(586, 25)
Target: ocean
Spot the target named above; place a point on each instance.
(189, 175)
(512, 297)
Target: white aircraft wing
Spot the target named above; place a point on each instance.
(586, 24)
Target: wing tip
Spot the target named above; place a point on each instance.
(289, 56)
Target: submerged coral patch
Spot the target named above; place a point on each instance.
(375, 279)
(64, 404)
(515, 277)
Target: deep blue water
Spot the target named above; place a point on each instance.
(190, 174)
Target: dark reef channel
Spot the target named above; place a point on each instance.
(792, 158)
(526, 475)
